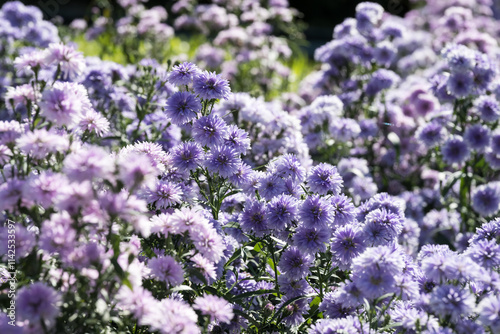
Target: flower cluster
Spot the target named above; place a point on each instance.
(153, 198)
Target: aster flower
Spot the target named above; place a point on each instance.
(209, 85)
(40, 142)
(253, 218)
(93, 121)
(486, 199)
(381, 79)
(338, 325)
(24, 242)
(344, 210)
(187, 155)
(489, 310)
(485, 253)
(70, 61)
(186, 219)
(453, 301)
(294, 263)
(375, 269)
(460, 84)
(293, 287)
(164, 194)
(294, 312)
(10, 194)
(183, 74)
(288, 166)
(237, 139)
(38, 302)
(88, 163)
(347, 243)
(176, 316)
(281, 211)
(64, 103)
(455, 150)
(136, 170)
(311, 239)
(332, 308)
(44, 188)
(431, 134)
(206, 267)
(324, 178)
(223, 160)
(242, 176)
(316, 211)
(345, 129)
(166, 269)
(495, 142)
(381, 226)
(487, 107)
(215, 307)
(208, 242)
(182, 107)
(210, 130)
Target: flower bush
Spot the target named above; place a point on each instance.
(161, 196)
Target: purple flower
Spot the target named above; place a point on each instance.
(253, 219)
(368, 15)
(346, 244)
(431, 134)
(384, 53)
(215, 307)
(210, 130)
(459, 57)
(288, 167)
(460, 84)
(165, 268)
(70, 61)
(339, 325)
(375, 269)
(183, 74)
(64, 103)
(311, 239)
(345, 129)
(381, 79)
(292, 287)
(89, 163)
(209, 85)
(316, 211)
(281, 211)
(164, 194)
(294, 263)
(485, 253)
(486, 199)
(495, 142)
(454, 301)
(478, 137)
(489, 312)
(488, 108)
(38, 302)
(324, 178)
(237, 139)
(344, 210)
(187, 155)
(381, 227)
(41, 142)
(455, 150)
(223, 160)
(208, 242)
(242, 176)
(271, 186)
(182, 107)
(332, 308)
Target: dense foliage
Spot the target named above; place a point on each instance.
(188, 188)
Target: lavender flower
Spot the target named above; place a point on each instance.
(70, 61)
(166, 269)
(164, 194)
(316, 211)
(187, 155)
(294, 263)
(344, 210)
(488, 108)
(223, 160)
(488, 310)
(460, 84)
(324, 178)
(453, 301)
(209, 85)
(281, 211)
(38, 302)
(215, 307)
(237, 139)
(486, 199)
(347, 243)
(182, 107)
(478, 137)
(311, 239)
(183, 74)
(210, 130)
(253, 219)
(455, 150)
(431, 134)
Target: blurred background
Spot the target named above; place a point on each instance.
(320, 16)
